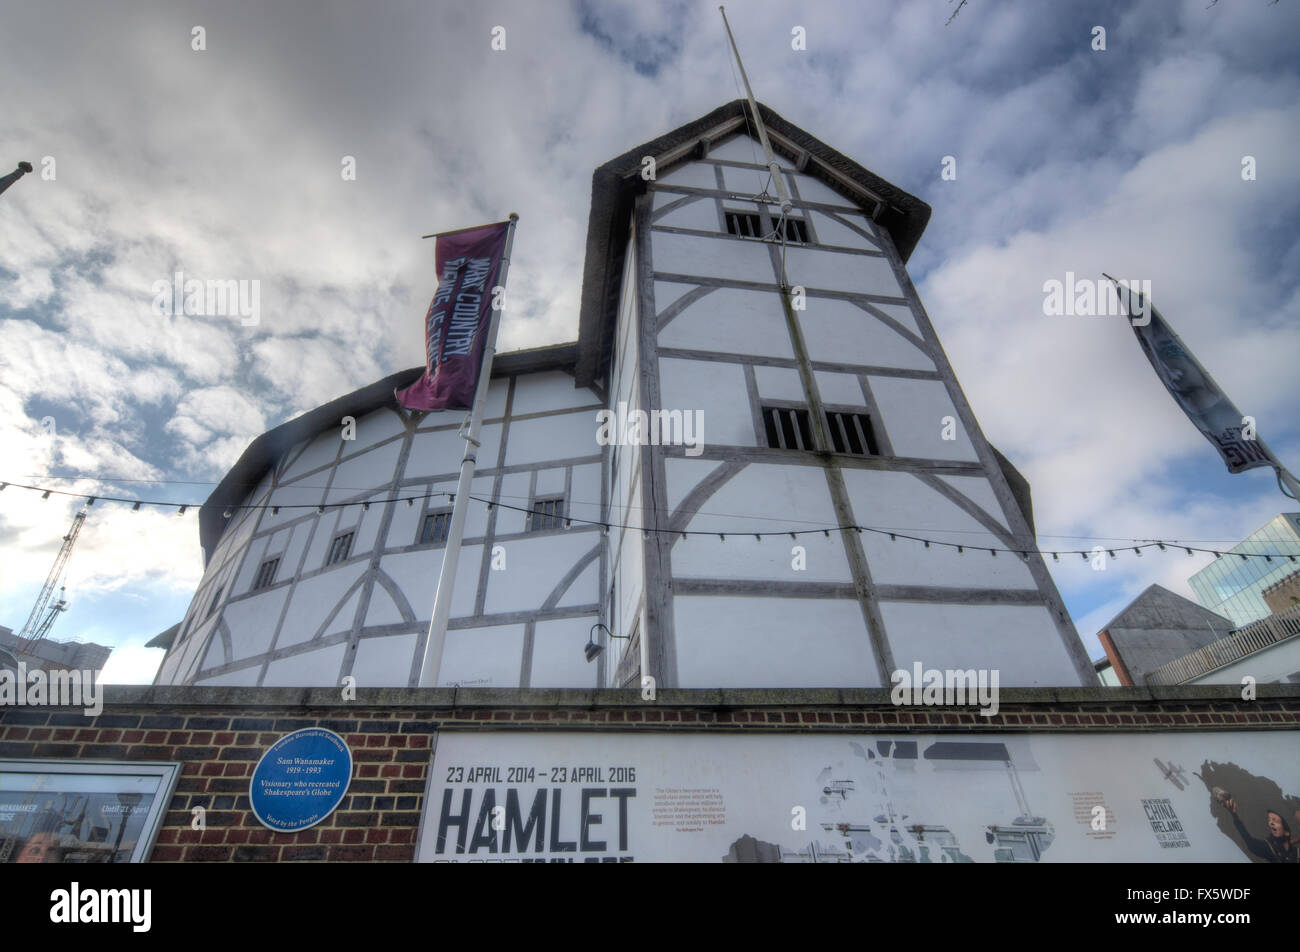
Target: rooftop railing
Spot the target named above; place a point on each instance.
(1247, 640)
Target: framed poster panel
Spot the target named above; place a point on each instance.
(82, 811)
(830, 797)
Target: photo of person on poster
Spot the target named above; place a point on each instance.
(1279, 846)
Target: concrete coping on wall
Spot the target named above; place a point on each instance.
(443, 698)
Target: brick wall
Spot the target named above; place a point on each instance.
(376, 821)
(219, 734)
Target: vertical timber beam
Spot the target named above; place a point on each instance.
(856, 555)
(659, 635)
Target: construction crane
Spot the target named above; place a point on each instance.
(42, 616)
(44, 627)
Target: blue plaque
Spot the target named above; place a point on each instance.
(301, 779)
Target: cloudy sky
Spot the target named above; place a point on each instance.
(226, 163)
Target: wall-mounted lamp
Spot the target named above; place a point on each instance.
(592, 649)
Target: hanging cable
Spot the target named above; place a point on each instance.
(893, 533)
(639, 509)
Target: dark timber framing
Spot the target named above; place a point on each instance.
(887, 219)
(1019, 537)
(1022, 534)
(863, 586)
(616, 184)
(990, 467)
(247, 541)
(659, 637)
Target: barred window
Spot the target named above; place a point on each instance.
(266, 573)
(793, 229)
(435, 528)
(788, 428)
(546, 514)
(339, 548)
(744, 224)
(852, 433)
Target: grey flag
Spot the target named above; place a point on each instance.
(1195, 390)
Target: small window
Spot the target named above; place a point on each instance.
(794, 229)
(435, 528)
(216, 600)
(546, 514)
(788, 428)
(266, 573)
(340, 548)
(744, 224)
(852, 433)
(629, 665)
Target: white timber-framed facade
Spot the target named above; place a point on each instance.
(678, 314)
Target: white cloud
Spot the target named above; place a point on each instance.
(131, 664)
(225, 164)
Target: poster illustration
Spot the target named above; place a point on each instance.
(80, 812)
(817, 798)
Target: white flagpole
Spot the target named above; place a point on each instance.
(777, 177)
(437, 640)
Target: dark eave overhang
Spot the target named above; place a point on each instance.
(164, 639)
(615, 185)
(265, 451)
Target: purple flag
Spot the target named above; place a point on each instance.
(456, 325)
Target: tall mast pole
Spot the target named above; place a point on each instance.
(781, 191)
(433, 649)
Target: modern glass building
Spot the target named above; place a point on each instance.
(1231, 585)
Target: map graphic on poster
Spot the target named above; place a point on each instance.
(816, 798)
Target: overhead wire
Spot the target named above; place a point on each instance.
(794, 533)
(374, 491)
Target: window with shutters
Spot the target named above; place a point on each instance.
(266, 573)
(434, 529)
(339, 548)
(546, 514)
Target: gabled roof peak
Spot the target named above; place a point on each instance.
(1144, 610)
(615, 185)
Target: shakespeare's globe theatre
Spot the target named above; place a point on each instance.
(828, 408)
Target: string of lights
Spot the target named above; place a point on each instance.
(569, 520)
(183, 507)
(730, 515)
